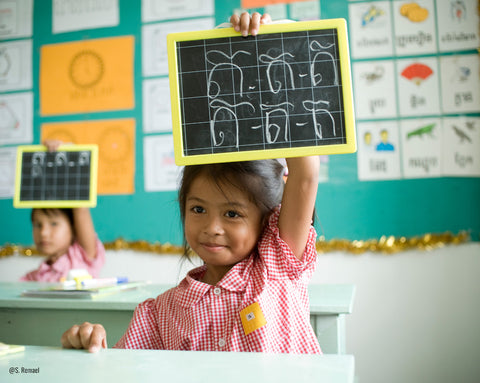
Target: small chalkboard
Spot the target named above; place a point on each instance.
(64, 178)
(283, 93)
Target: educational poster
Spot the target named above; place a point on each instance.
(421, 141)
(157, 10)
(16, 19)
(305, 10)
(87, 76)
(116, 149)
(83, 14)
(8, 161)
(16, 118)
(370, 29)
(378, 155)
(160, 171)
(157, 115)
(374, 89)
(16, 65)
(414, 24)
(261, 3)
(154, 42)
(461, 149)
(460, 79)
(276, 11)
(458, 25)
(418, 86)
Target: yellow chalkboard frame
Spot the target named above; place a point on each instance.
(92, 200)
(345, 75)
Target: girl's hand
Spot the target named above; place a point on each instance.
(89, 336)
(247, 24)
(52, 145)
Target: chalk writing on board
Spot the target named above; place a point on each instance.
(277, 90)
(59, 176)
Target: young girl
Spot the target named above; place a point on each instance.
(67, 237)
(255, 237)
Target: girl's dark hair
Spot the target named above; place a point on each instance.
(68, 212)
(262, 180)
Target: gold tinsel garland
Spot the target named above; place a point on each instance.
(384, 245)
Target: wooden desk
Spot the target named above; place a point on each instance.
(53, 364)
(37, 321)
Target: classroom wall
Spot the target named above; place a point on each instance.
(415, 314)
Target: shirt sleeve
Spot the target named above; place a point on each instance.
(143, 331)
(279, 259)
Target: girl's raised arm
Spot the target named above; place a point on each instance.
(85, 231)
(298, 202)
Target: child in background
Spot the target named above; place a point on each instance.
(67, 237)
(255, 236)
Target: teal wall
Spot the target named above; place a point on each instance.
(346, 207)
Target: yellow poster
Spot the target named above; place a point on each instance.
(116, 149)
(87, 76)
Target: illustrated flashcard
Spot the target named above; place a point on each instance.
(414, 27)
(305, 10)
(157, 115)
(461, 148)
(154, 42)
(460, 83)
(81, 14)
(421, 141)
(161, 173)
(156, 10)
(457, 23)
(276, 11)
(87, 76)
(370, 29)
(374, 89)
(116, 149)
(378, 156)
(16, 19)
(16, 118)
(8, 160)
(16, 65)
(418, 86)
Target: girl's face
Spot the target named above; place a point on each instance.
(221, 226)
(52, 233)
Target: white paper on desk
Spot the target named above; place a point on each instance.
(161, 173)
(83, 14)
(156, 10)
(8, 158)
(16, 118)
(16, 65)
(16, 18)
(157, 115)
(154, 42)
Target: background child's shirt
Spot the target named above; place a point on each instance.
(74, 258)
(260, 305)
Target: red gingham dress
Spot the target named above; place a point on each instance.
(198, 316)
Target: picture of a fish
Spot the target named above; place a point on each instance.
(420, 132)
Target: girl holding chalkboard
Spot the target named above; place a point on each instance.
(254, 233)
(67, 237)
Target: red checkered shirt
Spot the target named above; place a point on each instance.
(198, 316)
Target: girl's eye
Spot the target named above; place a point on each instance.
(198, 209)
(232, 214)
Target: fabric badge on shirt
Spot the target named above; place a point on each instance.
(252, 318)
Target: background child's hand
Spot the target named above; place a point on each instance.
(52, 145)
(89, 336)
(249, 24)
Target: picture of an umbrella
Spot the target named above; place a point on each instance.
(417, 72)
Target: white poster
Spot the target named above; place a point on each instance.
(157, 10)
(16, 118)
(84, 14)
(370, 29)
(8, 160)
(157, 115)
(461, 146)
(16, 18)
(16, 65)
(161, 173)
(421, 141)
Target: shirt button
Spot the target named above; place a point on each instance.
(217, 291)
(222, 342)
